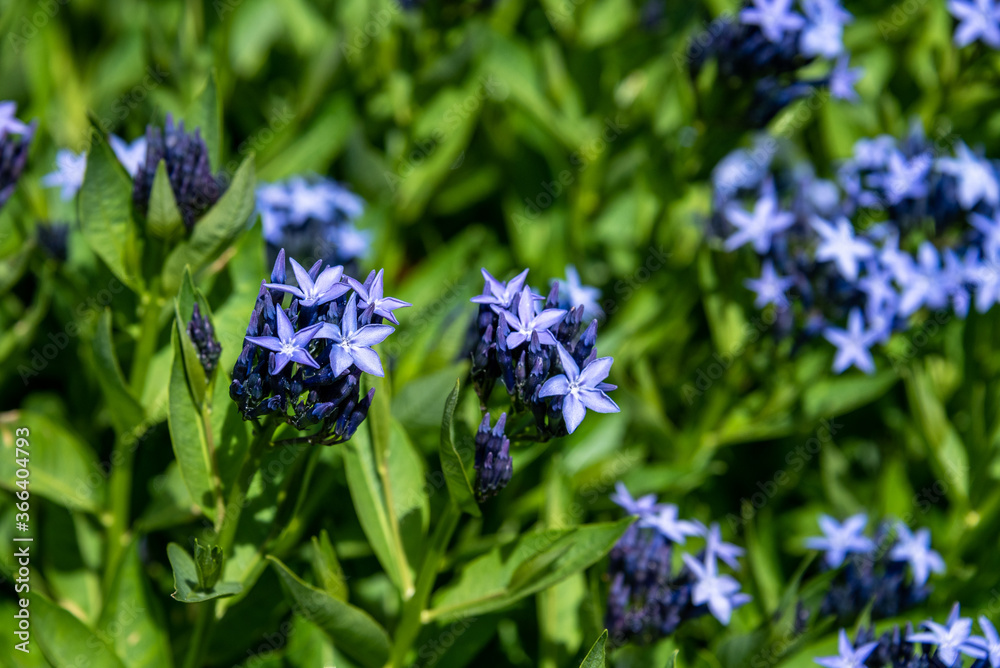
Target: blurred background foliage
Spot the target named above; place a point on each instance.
(505, 135)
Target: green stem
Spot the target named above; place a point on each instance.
(226, 535)
(237, 496)
(201, 629)
(413, 609)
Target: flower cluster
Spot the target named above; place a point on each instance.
(494, 467)
(545, 358)
(185, 154)
(15, 138)
(764, 49)
(646, 600)
(304, 362)
(889, 572)
(312, 218)
(937, 646)
(902, 229)
(70, 166)
(202, 335)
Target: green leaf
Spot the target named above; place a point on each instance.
(352, 630)
(327, 568)
(216, 230)
(106, 213)
(69, 475)
(187, 589)
(132, 620)
(187, 297)
(126, 411)
(534, 562)
(369, 501)
(164, 218)
(206, 117)
(187, 435)
(64, 639)
(595, 657)
(457, 458)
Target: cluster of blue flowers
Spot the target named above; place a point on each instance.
(764, 49)
(888, 572)
(646, 600)
(312, 218)
(15, 138)
(904, 227)
(536, 347)
(937, 646)
(304, 362)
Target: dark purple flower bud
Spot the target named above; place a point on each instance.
(278, 272)
(194, 186)
(203, 337)
(13, 158)
(494, 467)
(552, 301)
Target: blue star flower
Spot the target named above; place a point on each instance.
(978, 19)
(580, 390)
(921, 281)
(990, 229)
(671, 528)
(841, 246)
(727, 552)
(843, 80)
(852, 344)
(879, 293)
(977, 179)
(70, 168)
(770, 287)
(132, 156)
(578, 294)
(353, 344)
(985, 278)
(905, 178)
(990, 643)
(9, 123)
(527, 322)
(766, 221)
(824, 30)
(721, 593)
(372, 300)
(839, 540)
(847, 655)
(916, 549)
(643, 506)
(773, 17)
(325, 288)
(289, 345)
(952, 640)
(499, 295)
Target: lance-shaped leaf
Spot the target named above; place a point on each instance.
(595, 657)
(352, 630)
(163, 220)
(457, 452)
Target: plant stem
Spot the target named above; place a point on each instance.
(201, 628)
(413, 609)
(237, 496)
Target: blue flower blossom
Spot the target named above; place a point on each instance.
(572, 292)
(9, 123)
(721, 593)
(839, 245)
(528, 323)
(667, 524)
(353, 344)
(847, 655)
(68, 176)
(915, 549)
(839, 540)
(289, 345)
(726, 552)
(131, 156)
(770, 288)
(852, 344)
(499, 295)
(990, 642)
(823, 34)
(643, 506)
(773, 17)
(978, 20)
(977, 179)
(843, 79)
(580, 390)
(372, 299)
(952, 639)
(327, 286)
(759, 227)
(15, 140)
